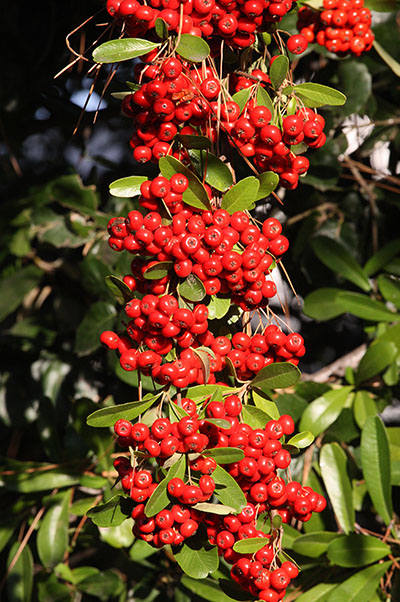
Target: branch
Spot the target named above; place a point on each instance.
(338, 367)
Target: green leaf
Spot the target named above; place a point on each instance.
(129, 411)
(80, 507)
(375, 460)
(227, 490)
(158, 270)
(6, 531)
(197, 558)
(268, 182)
(333, 464)
(13, 288)
(28, 482)
(224, 455)
(193, 141)
(264, 99)
(276, 376)
(70, 192)
(267, 406)
(391, 334)
(220, 509)
(224, 424)
(323, 411)
(218, 174)
(195, 195)
(326, 303)
(361, 586)
(104, 585)
(51, 590)
(20, 579)
(278, 71)
(192, 289)
(357, 96)
(210, 590)
(255, 417)
(119, 289)
(241, 196)
(381, 5)
(389, 60)
(218, 307)
(99, 317)
(250, 545)
(127, 187)
(159, 498)
(290, 403)
(323, 305)
(363, 307)
(363, 406)
(338, 259)
(356, 550)
(112, 513)
(118, 536)
(205, 368)
(393, 266)
(191, 48)
(389, 287)
(301, 440)
(52, 537)
(318, 593)
(378, 356)
(161, 29)
(314, 544)
(115, 51)
(317, 95)
(242, 97)
(382, 257)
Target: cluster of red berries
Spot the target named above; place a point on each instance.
(269, 145)
(258, 576)
(202, 243)
(255, 473)
(250, 354)
(169, 526)
(187, 103)
(343, 27)
(247, 355)
(235, 21)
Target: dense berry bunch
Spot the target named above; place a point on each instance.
(258, 576)
(256, 473)
(226, 252)
(343, 27)
(236, 22)
(247, 355)
(257, 137)
(182, 100)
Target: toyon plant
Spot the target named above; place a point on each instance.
(205, 469)
(205, 466)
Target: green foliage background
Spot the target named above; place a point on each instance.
(344, 260)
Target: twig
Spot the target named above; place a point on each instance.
(23, 543)
(338, 367)
(368, 190)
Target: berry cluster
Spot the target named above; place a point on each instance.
(343, 27)
(269, 145)
(235, 22)
(258, 576)
(182, 100)
(250, 354)
(247, 355)
(226, 252)
(256, 473)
